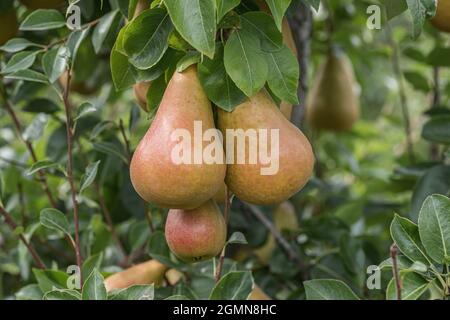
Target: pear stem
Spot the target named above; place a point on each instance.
(42, 178)
(10, 222)
(70, 135)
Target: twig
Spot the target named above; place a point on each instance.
(301, 24)
(29, 146)
(402, 92)
(69, 133)
(10, 222)
(398, 283)
(149, 217)
(127, 142)
(434, 147)
(227, 219)
(284, 244)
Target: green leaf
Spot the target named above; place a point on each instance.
(111, 149)
(237, 237)
(263, 26)
(434, 227)
(394, 8)
(41, 165)
(196, 22)
(137, 292)
(417, 80)
(284, 73)
(218, 86)
(146, 38)
(435, 180)
(155, 93)
(315, 4)
(55, 220)
(278, 9)
(402, 263)
(84, 109)
(36, 128)
(49, 280)
(107, 25)
(233, 286)
(74, 42)
(28, 75)
(406, 236)
(62, 294)
(20, 61)
(29, 292)
(437, 129)
(89, 176)
(438, 57)
(55, 62)
(41, 105)
(328, 289)
(159, 250)
(225, 6)
(420, 10)
(42, 19)
(93, 288)
(91, 263)
(244, 63)
(18, 44)
(122, 72)
(413, 287)
(192, 57)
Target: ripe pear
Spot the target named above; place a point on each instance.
(154, 174)
(250, 181)
(332, 103)
(10, 26)
(173, 276)
(140, 92)
(198, 234)
(221, 195)
(258, 294)
(43, 4)
(284, 218)
(148, 272)
(442, 18)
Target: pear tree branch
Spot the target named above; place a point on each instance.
(10, 222)
(398, 283)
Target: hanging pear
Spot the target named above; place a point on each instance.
(166, 175)
(289, 160)
(198, 234)
(332, 103)
(442, 18)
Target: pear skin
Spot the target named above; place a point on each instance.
(140, 92)
(144, 273)
(295, 160)
(173, 276)
(441, 20)
(10, 26)
(333, 104)
(221, 196)
(43, 4)
(258, 294)
(154, 174)
(196, 235)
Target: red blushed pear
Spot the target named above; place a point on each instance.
(198, 234)
(441, 20)
(156, 172)
(291, 160)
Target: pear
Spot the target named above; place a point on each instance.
(442, 18)
(265, 183)
(10, 26)
(140, 92)
(43, 4)
(154, 174)
(173, 276)
(258, 294)
(284, 218)
(196, 235)
(221, 195)
(332, 103)
(144, 273)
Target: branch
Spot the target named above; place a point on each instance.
(227, 219)
(434, 147)
(402, 91)
(29, 146)
(10, 222)
(301, 24)
(69, 133)
(398, 283)
(283, 243)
